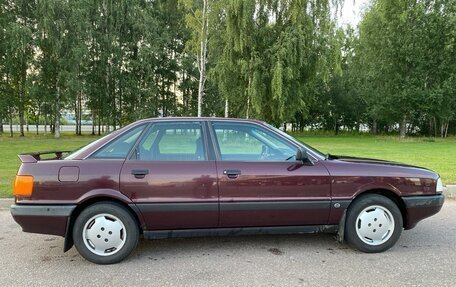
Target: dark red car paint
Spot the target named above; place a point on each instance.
(189, 195)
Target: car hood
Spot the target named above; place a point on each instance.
(371, 161)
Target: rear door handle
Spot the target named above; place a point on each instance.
(140, 173)
(232, 173)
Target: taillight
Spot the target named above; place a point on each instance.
(23, 186)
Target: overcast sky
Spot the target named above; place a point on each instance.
(351, 12)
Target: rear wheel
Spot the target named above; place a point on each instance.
(373, 224)
(105, 233)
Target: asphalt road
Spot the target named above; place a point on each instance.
(424, 256)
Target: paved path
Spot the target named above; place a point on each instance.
(424, 256)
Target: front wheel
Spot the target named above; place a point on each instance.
(373, 223)
(105, 233)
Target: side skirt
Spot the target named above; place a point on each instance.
(237, 231)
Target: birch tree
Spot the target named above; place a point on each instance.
(197, 19)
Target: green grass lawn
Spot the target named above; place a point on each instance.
(438, 154)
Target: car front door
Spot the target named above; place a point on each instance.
(171, 178)
(260, 181)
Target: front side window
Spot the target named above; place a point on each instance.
(314, 150)
(247, 142)
(172, 142)
(121, 146)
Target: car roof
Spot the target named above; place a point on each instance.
(200, 119)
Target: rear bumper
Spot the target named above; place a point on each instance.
(44, 219)
(421, 207)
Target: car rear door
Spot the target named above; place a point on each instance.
(172, 178)
(261, 184)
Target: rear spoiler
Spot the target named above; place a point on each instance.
(34, 157)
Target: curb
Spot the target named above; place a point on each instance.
(450, 191)
(5, 203)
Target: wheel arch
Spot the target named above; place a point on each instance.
(88, 201)
(393, 196)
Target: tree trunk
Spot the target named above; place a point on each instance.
(57, 111)
(93, 123)
(226, 108)
(1, 125)
(76, 117)
(435, 127)
(21, 114)
(99, 124)
(248, 107)
(45, 123)
(374, 127)
(403, 127)
(10, 113)
(80, 113)
(37, 122)
(444, 128)
(202, 57)
(21, 107)
(119, 114)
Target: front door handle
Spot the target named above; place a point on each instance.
(140, 173)
(232, 173)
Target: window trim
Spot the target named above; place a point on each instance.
(151, 124)
(260, 127)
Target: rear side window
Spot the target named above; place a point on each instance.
(121, 146)
(172, 142)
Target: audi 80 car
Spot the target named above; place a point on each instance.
(183, 177)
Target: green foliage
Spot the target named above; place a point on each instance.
(406, 58)
(280, 61)
(269, 64)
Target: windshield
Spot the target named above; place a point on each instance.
(313, 150)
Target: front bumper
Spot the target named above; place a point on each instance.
(44, 219)
(421, 207)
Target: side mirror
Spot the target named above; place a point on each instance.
(301, 155)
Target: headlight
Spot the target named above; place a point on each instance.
(439, 188)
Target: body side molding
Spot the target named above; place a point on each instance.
(238, 231)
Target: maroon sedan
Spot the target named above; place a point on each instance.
(181, 177)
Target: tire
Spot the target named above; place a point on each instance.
(373, 223)
(105, 233)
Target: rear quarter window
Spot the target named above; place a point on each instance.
(120, 147)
